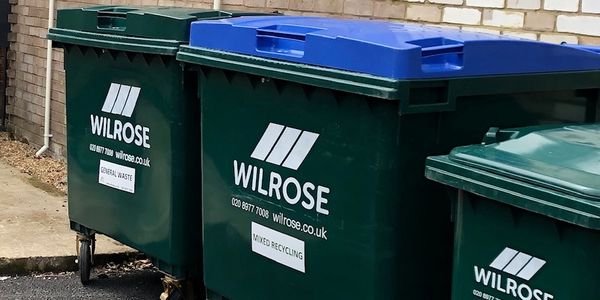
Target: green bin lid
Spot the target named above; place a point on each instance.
(151, 30)
(165, 23)
(549, 170)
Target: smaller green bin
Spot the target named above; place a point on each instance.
(527, 214)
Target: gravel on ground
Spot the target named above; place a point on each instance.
(45, 169)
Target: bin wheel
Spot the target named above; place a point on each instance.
(173, 289)
(85, 261)
(176, 295)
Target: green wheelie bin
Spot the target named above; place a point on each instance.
(527, 214)
(133, 132)
(315, 133)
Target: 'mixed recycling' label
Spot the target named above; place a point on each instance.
(280, 247)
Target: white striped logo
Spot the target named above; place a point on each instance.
(284, 146)
(517, 263)
(121, 99)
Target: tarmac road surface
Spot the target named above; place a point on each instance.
(118, 284)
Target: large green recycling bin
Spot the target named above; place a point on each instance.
(527, 214)
(313, 182)
(133, 129)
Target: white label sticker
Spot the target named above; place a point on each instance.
(117, 176)
(282, 248)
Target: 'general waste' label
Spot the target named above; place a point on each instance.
(116, 176)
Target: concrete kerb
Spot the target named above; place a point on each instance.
(57, 264)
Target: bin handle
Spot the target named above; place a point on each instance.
(444, 58)
(441, 50)
(440, 54)
(112, 20)
(287, 40)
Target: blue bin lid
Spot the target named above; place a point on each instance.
(387, 49)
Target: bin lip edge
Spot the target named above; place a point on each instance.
(438, 169)
(114, 42)
(373, 86)
(187, 51)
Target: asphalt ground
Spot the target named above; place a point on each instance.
(106, 284)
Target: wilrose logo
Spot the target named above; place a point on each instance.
(287, 147)
(121, 100)
(515, 263)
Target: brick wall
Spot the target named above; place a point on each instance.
(2, 82)
(573, 21)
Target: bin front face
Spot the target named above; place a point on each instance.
(507, 253)
(311, 193)
(290, 175)
(133, 129)
(133, 151)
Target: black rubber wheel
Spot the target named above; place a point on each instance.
(176, 295)
(85, 261)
